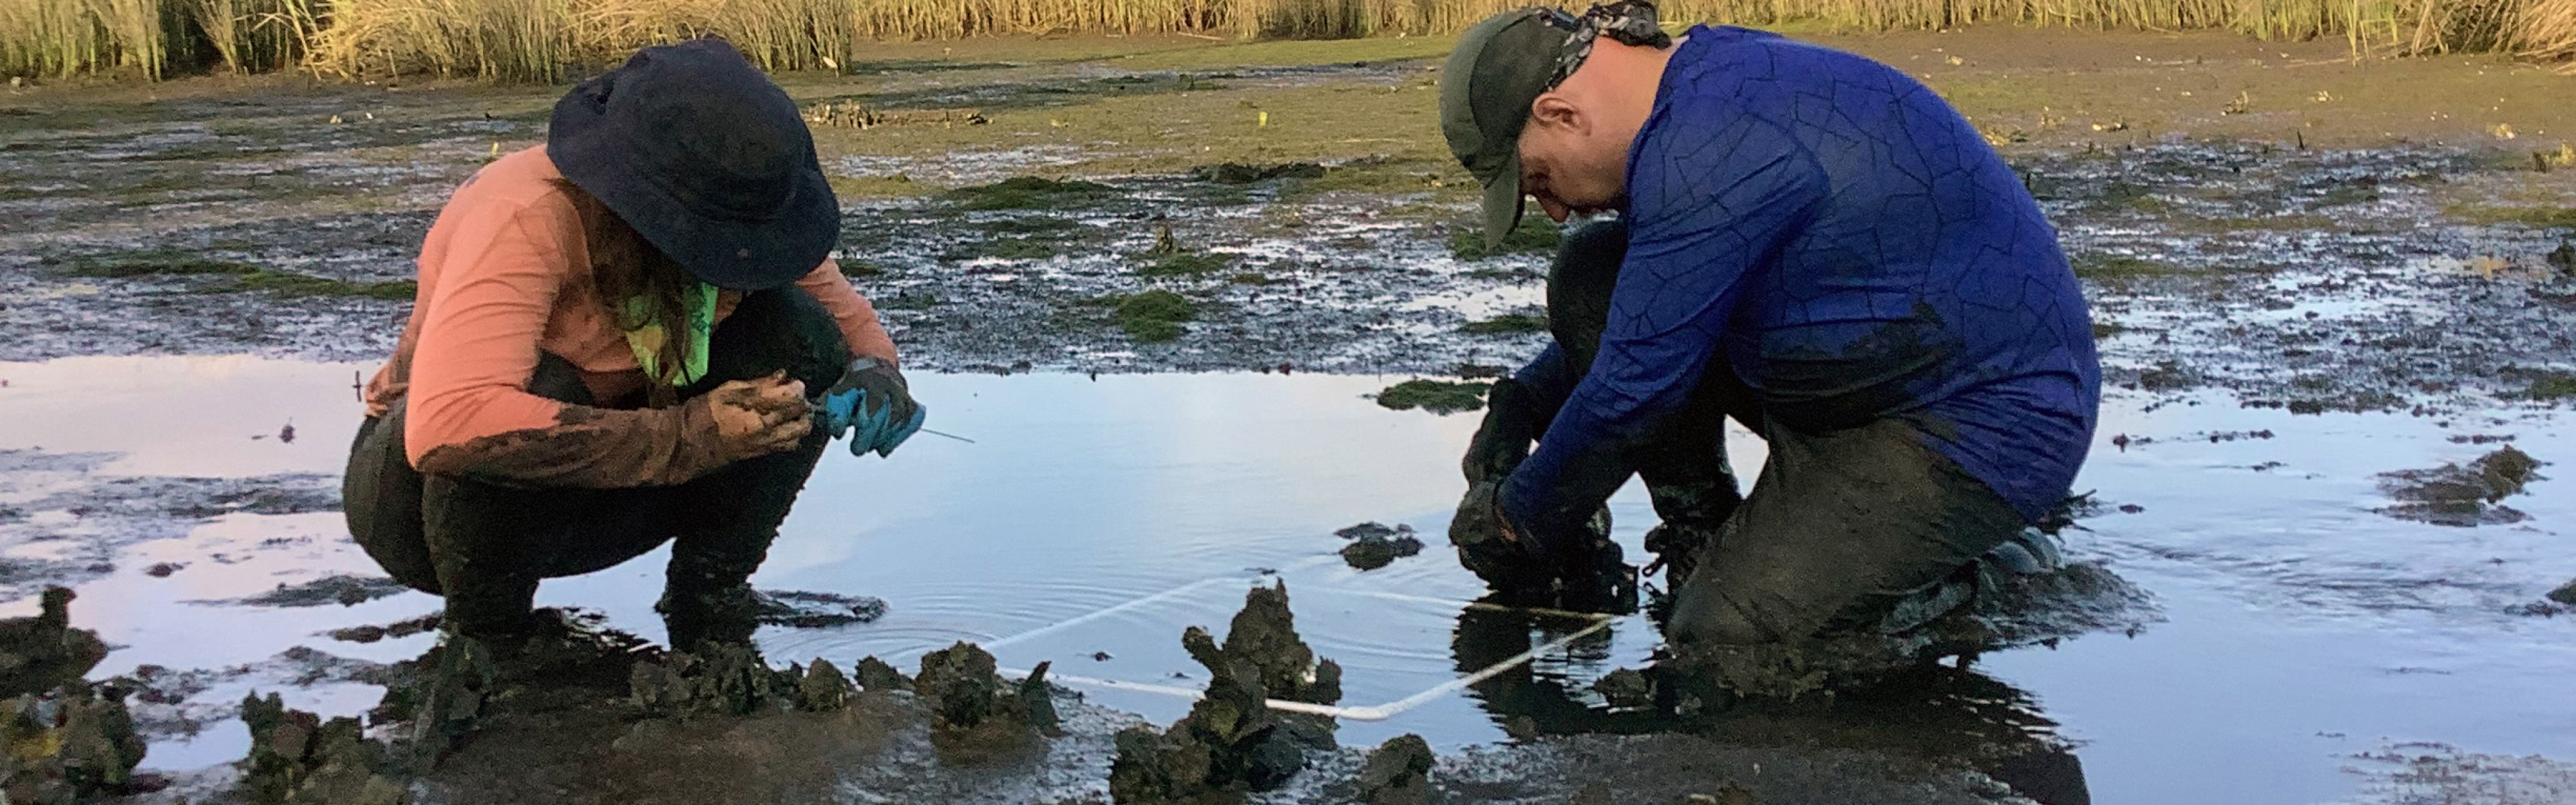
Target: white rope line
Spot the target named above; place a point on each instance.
(1380, 712)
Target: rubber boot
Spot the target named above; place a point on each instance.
(476, 545)
(730, 519)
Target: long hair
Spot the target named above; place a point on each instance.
(624, 266)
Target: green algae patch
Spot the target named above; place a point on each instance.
(1169, 258)
(2120, 267)
(1507, 324)
(1436, 396)
(1153, 317)
(1185, 264)
(2531, 216)
(156, 263)
(1535, 235)
(912, 301)
(896, 186)
(285, 284)
(232, 276)
(1030, 193)
(2552, 386)
(1021, 248)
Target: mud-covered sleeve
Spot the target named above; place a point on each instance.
(470, 411)
(858, 319)
(1714, 193)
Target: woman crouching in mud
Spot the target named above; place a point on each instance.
(625, 336)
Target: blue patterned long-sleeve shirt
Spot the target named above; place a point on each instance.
(1855, 249)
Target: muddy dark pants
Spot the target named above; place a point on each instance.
(1841, 524)
(484, 543)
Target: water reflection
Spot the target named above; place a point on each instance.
(1941, 715)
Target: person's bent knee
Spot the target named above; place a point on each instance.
(1704, 618)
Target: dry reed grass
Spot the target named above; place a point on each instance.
(535, 40)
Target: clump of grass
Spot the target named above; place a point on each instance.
(1436, 396)
(1022, 248)
(1536, 234)
(913, 300)
(1035, 225)
(2105, 329)
(862, 269)
(1507, 324)
(2099, 266)
(1249, 278)
(1154, 316)
(2493, 214)
(2120, 196)
(1186, 264)
(534, 40)
(1029, 193)
(2552, 386)
(897, 186)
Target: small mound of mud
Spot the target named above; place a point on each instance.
(874, 674)
(1153, 316)
(1238, 173)
(1030, 193)
(396, 630)
(1436, 396)
(2565, 594)
(798, 609)
(1373, 545)
(347, 591)
(298, 759)
(2462, 495)
(43, 652)
(1626, 687)
(974, 714)
(1398, 772)
(74, 744)
(1232, 741)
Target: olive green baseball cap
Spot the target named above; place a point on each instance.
(1499, 68)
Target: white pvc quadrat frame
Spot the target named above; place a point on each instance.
(1378, 712)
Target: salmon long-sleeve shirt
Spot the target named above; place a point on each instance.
(504, 277)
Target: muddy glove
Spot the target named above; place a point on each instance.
(1489, 547)
(1503, 441)
(873, 406)
(1581, 571)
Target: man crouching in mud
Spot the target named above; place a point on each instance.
(1807, 241)
(625, 336)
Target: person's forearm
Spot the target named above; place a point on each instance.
(593, 448)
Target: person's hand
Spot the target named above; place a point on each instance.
(1502, 442)
(762, 416)
(1580, 570)
(873, 406)
(1490, 547)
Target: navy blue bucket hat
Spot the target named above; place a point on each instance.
(704, 157)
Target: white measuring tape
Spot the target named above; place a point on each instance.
(1379, 712)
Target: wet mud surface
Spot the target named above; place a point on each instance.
(2318, 349)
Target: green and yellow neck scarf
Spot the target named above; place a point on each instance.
(648, 340)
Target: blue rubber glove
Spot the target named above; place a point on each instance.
(873, 406)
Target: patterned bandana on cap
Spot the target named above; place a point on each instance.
(1628, 22)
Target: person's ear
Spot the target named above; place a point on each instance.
(1555, 111)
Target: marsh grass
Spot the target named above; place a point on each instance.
(537, 40)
